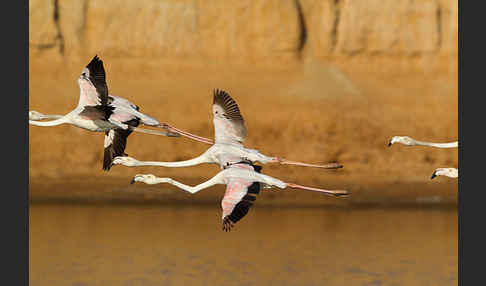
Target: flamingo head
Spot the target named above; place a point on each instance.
(147, 179)
(34, 115)
(447, 172)
(125, 161)
(84, 76)
(405, 140)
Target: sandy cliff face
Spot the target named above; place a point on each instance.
(373, 35)
(317, 81)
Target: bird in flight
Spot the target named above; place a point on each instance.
(407, 141)
(243, 182)
(99, 111)
(227, 148)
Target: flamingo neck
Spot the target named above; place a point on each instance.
(186, 163)
(437, 145)
(52, 116)
(49, 123)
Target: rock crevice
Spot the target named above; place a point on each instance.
(245, 31)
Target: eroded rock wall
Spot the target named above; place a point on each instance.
(393, 34)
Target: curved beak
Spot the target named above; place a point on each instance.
(389, 144)
(433, 176)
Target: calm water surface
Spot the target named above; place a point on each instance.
(184, 245)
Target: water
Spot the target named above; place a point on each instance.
(96, 244)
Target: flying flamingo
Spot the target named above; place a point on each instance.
(100, 112)
(36, 116)
(230, 132)
(447, 172)
(243, 182)
(407, 141)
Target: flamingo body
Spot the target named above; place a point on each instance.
(227, 148)
(98, 111)
(243, 182)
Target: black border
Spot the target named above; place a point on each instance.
(15, 197)
(460, 165)
(471, 192)
(15, 143)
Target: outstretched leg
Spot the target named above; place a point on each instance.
(151, 179)
(288, 162)
(155, 132)
(280, 184)
(336, 193)
(255, 155)
(186, 134)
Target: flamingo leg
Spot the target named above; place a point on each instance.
(186, 134)
(155, 132)
(326, 166)
(336, 193)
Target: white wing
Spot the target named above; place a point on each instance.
(123, 105)
(238, 198)
(229, 125)
(120, 101)
(92, 84)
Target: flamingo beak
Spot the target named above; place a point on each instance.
(433, 176)
(132, 181)
(389, 144)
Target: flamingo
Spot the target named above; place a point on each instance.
(243, 182)
(447, 172)
(98, 111)
(407, 141)
(230, 132)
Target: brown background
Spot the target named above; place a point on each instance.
(316, 81)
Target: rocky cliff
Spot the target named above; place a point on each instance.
(372, 35)
(290, 64)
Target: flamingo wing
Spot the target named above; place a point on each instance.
(94, 90)
(116, 142)
(238, 199)
(120, 101)
(123, 105)
(229, 125)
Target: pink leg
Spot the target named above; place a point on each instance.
(186, 134)
(288, 162)
(336, 193)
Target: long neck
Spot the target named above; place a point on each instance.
(195, 161)
(437, 145)
(49, 123)
(53, 116)
(218, 179)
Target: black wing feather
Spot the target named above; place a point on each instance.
(228, 104)
(98, 78)
(242, 207)
(117, 147)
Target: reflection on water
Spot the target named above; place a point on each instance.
(184, 245)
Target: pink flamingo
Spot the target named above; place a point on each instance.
(407, 141)
(243, 182)
(230, 132)
(100, 112)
